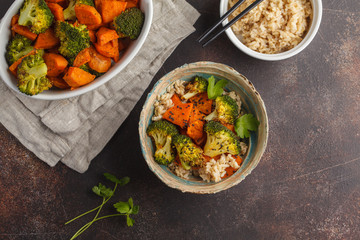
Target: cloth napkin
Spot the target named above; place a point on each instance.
(75, 130)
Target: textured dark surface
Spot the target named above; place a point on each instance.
(307, 185)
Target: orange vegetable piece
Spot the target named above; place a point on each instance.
(99, 62)
(115, 44)
(202, 102)
(46, 40)
(230, 170)
(98, 5)
(176, 99)
(105, 35)
(57, 11)
(106, 50)
(195, 130)
(55, 63)
(95, 26)
(92, 36)
(110, 9)
(76, 77)
(86, 14)
(14, 66)
(179, 114)
(82, 58)
(131, 4)
(231, 127)
(14, 20)
(24, 31)
(59, 82)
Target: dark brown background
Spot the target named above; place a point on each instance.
(307, 185)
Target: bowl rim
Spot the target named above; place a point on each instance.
(203, 189)
(9, 79)
(315, 24)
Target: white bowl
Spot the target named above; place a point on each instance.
(317, 14)
(55, 94)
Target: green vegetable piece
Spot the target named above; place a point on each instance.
(122, 207)
(244, 124)
(36, 15)
(189, 154)
(102, 191)
(130, 222)
(226, 110)
(215, 90)
(17, 47)
(197, 85)
(129, 23)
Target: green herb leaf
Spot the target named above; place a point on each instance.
(122, 207)
(131, 202)
(102, 191)
(135, 209)
(244, 124)
(114, 179)
(130, 221)
(215, 90)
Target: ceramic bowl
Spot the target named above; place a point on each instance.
(317, 14)
(55, 94)
(252, 102)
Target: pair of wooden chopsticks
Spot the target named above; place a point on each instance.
(210, 30)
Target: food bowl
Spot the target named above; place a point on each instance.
(315, 23)
(252, 103)
(54, 94)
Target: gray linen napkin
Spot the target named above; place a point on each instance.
(75, 130)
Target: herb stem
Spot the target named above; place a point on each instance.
(82, 214)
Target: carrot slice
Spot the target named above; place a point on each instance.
(76, 77)
(86, 14)
(57, 11)
(14, 20)
(22, 30)
(82, 58)
(111, 9)
(105, 35)
(14, 66)
(230, 170)
(202, 102)
(176, 99)
(179, 114)
(195, 130)
(59, 82)
(46, 40)
(92, 36)
(99, 62)
(55, 63)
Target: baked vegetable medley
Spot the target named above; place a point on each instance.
(68, 43)
(200, 130)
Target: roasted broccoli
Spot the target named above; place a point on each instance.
(36, 15)
(129, 23)
(19, 46)
(197, 85)
(69, 12)
(162, 133)
(189, 154)
(72, 39)
(220, 140)
(226, 110)
(31, 75)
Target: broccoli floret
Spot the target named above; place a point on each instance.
(31, 75)
(226, 110)
(129, 23)
(189, 154)
(36, 15)
(19, 46)
(197, 85)
(86, 68)
(72, 39)
(69, 12)
(162, 132)
(220, 140)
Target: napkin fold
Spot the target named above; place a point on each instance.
(75, 130)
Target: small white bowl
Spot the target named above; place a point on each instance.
(317, 14)
(56, 94)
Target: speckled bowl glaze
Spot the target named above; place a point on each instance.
(252, 102)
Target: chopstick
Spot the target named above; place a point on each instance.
(229, 24)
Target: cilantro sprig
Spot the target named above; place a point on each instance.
(244, 124)
(215, 89)
(123, 208)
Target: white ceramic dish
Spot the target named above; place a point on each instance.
(130, 53)
(317, 14)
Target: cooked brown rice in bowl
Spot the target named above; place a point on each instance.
(274, 26)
